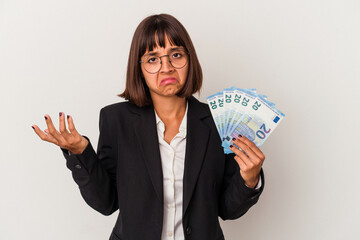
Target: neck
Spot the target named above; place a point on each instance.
(169, 107)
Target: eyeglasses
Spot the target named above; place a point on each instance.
(178, 59)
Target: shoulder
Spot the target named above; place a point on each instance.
(199, 107)
(119, 109)
(205, 106)
(203, 111)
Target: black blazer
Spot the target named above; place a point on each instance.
(126, 174)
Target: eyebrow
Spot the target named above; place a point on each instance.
(152, 53)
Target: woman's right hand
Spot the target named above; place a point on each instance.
(72, 141)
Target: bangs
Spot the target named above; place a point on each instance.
(154, 36)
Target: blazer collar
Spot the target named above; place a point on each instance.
(197, 136)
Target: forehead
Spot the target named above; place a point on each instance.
(157, 51)
(159, 41)
(164, 43)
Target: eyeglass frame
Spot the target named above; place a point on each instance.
(187, 52)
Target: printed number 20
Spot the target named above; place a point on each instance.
(260, 133)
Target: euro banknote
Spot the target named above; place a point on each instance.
(243, 111)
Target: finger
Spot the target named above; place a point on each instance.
(52, 130)
(248, 151)
(71, 125)
(43, 136)
(51, 138)
(241, 162)
(243, 156)
(62, 126)
(253, 147)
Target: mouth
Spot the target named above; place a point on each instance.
(166, 81)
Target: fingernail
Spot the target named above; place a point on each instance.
(240, 135)
(234, 139)
(68, 116)
(231, 146)
(33, 127)
(60, 114)
(45, 117)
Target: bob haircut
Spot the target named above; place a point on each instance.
(148, 35)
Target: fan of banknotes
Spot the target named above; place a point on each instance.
(243, 111)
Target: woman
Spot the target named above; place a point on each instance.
(159, 158)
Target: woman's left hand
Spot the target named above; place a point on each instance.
(250, 163)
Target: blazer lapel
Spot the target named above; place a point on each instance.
(146, 132)
(196, 145)
(197, 137)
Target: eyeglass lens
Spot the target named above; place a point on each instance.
(178, 59)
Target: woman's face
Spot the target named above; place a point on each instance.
(168, 80)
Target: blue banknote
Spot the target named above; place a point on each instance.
(243, 111)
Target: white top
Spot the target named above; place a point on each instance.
(172, 161)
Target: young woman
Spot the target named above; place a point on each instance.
(159, 158)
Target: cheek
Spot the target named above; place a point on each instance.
(150, 79)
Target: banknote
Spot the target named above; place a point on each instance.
(243, 111)
(216, 105)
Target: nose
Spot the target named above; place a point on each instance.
(165, 64)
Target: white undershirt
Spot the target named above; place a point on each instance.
(172, 161)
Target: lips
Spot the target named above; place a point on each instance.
(168, 81)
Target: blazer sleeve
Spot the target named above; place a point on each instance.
(236, 198)
(95, 173)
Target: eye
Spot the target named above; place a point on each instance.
(152, 60)
(177, 55)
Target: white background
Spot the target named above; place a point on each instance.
(71, 56)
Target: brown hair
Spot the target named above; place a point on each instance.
(149, 30)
